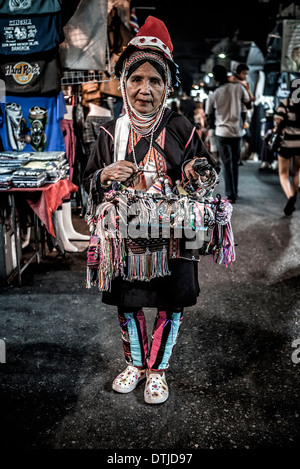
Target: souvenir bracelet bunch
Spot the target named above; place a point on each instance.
(134, 233)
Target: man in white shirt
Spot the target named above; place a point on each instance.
(226, 105)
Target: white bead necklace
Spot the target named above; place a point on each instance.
(140, 167)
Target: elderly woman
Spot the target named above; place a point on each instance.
(147, 142)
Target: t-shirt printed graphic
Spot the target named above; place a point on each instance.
(30, 35)
(32, 123)
(29, 7)
(37, 74)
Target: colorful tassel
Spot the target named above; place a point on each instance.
(148, 265)
(156, 188)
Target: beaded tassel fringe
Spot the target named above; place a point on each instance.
(108, 260)
(111, 255)
(148, 265)
(222, 244)
(108, 254)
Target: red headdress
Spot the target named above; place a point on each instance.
(153, 35)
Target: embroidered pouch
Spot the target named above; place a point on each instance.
(93, 254)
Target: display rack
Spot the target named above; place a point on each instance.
(14, 264)
(77, 77)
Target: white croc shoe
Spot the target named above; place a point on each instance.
(156, 390)
(128, 379)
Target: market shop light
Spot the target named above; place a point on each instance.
(222, 55)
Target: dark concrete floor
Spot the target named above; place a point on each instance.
(233, 382)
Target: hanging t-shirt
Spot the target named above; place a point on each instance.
(30, 35)
(28, 7)
(35, 74)
(32, 123)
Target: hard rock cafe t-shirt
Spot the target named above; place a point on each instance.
(36, 74)
(30, 123)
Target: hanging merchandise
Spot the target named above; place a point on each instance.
(255, 61)
(118, 35)
(35, 74)
(290, 53)
(134, 233)
(111, 87)
(32, 116)
(31, 34)
(115, 251)
(84, 47)
(32, 122)
(29, 7)
(97, 116)
(273, 61)
(90, 93)
(67, 127)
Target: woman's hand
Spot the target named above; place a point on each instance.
(191, 173)
(119, 171)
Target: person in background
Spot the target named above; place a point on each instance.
(187, 106)
(225, 107)
(173, 106)
(287, 114)
(240, 76)
(200, 120)
(211, 138)
(267, 156)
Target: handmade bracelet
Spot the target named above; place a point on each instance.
(105, 186)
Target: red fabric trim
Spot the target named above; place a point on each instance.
(46, 199)
(105, 130)
(157, 338)
(191, 136)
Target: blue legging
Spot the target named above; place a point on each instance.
(135, 341)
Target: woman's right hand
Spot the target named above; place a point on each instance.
(119, 171)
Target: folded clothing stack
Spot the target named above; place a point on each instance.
(36, 173)
(28, 178)
(32, 169)
(5, 179)
(10, 161)
(13, 160)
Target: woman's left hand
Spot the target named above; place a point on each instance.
(189, 171)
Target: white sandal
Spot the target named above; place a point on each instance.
(156, 390)
(128, 379)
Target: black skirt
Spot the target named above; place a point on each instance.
(178, 290)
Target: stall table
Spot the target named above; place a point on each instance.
(44, 201)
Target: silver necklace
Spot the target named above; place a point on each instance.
(140, 167)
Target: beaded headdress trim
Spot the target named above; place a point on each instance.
(145, 124)
(151, 42)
